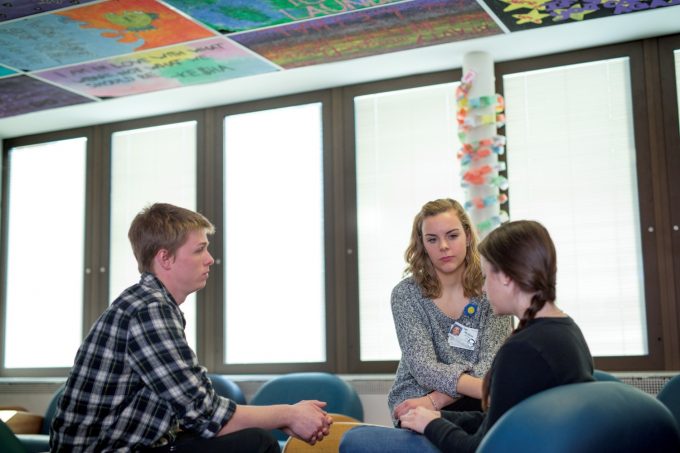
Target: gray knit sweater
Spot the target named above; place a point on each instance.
(428, 362)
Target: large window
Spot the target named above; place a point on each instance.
(576, 173)
(45, 253)
(669, 117)
(149, 165)
(274, 236)
(406, 145)
(673, 146)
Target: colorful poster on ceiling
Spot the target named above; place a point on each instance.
(519, 15)
(92, 32)
(6, 71)
(14, 10)
(229, 16)
(390, 28)
(23, 94)
(199, 62)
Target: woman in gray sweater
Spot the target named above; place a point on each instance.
(447, 332)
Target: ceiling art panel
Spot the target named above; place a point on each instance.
(390, 28)
(23, 94)
(6, 71)
(519, 15)
(112, 48)
(198, 62)
(91, 32)
(229, 16)
(21, 8)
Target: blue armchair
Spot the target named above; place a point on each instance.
(669, 395)
(9, 443)
(600, 375)
(227, 388)
(588, 417)
(341, 397)
(35, 443)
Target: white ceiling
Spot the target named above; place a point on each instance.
(545, 40)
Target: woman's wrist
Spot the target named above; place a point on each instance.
(469, 385)
(440, 400)
(435, 406)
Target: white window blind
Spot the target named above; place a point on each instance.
(46, 221)
(274, 238)
(149, 165)
(406, 145)
(571, 165)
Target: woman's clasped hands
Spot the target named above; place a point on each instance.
(418, 418)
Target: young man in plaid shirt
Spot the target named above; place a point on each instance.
(136, 385)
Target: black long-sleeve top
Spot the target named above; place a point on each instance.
(547, 353)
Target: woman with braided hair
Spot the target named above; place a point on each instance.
(547, 349)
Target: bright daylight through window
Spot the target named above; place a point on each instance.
(274, 221)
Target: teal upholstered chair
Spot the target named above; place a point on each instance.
(227, 388)
(669, 395)
(341, 397)
(600, 375)
(35, 443)
(9, 443)
(588, 417)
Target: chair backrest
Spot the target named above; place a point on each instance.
(669, 395)
(9, 443)
(227, 388)
(341, 397)
(51, 410)
(600, 375)
(586, 417)
(41, 441)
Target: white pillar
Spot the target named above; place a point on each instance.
(479, 124)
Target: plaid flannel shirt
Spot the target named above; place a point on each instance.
(136, 380)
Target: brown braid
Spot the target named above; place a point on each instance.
(537, 303)
(486, 390)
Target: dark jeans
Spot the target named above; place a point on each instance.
(249, 440)
(464, 404)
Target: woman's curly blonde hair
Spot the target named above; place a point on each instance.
(419, 264)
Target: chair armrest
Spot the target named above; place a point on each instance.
(35, 443)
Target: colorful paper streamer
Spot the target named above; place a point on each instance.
(479, 164)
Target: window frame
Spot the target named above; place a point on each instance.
(214, 359)
(664, 111)
(90, 218)
(354, 362)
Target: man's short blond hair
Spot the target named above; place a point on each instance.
(163, 226)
